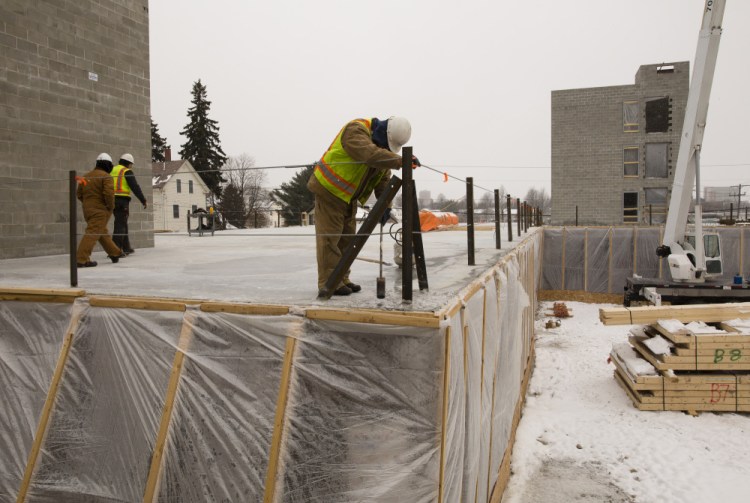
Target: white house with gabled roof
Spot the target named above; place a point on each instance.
(177, 190)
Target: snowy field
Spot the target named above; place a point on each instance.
(581, 439)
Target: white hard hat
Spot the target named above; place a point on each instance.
(127, 157)
(104, 157)
(399, 132)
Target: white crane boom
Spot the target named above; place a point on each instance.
(688, 165)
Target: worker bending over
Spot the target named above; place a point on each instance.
(358, 162)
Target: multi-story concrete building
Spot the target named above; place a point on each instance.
(74, 82)
(614, 149)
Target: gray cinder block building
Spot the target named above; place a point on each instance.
(74, 82)
(614, 148)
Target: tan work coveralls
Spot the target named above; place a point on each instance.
(97, 196)
(334, 218)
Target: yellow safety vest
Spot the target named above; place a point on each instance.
(121, 183)
(341, 175)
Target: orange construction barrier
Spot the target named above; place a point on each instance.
(430, 220)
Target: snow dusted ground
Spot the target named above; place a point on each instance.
(581, 439)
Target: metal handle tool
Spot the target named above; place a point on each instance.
(381, 279)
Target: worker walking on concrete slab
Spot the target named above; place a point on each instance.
(96, 193)
(125, 183)
(358, 162)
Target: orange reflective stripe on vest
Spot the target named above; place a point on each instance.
(122, 188)
(338, 172)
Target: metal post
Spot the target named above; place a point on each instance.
(497, 219)
(731, 212)
(470, 217)
(650, 214)
(525, 216)
(510, 220)
(73, 224)
(407, 223)
(518, 215)
(576, 215)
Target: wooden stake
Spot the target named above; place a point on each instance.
(609, 263)
(278, 423)
(586, 260)
(151, 494)
(444, 431)
(41, 429)
(563, 257)
(635, 250)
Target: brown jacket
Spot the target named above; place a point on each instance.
(97, 193)
(357, 142)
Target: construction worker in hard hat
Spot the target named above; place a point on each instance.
(358, 162)
(97, 196)
(125, 183)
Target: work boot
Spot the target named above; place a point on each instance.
(343, 290)
(353, 287)
(88, 263)
(129, 251)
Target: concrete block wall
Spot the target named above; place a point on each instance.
(74, 82)
(588, 141)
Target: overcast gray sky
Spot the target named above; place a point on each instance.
(473, 77)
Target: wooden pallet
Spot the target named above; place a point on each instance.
(685, 391)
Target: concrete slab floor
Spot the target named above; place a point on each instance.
(265, 266)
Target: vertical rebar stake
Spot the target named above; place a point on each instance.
(73, 238)
(470, 218)
(510, 219)
(518, 215)
(407, 219)
(497, 219)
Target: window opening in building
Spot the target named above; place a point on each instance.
(195, 208)
(630, 208)
(190, 186)
(176, 210)
(179, 186)
(630, 111)
(630, 161)
(656, 160)
(656, 205)
(658, 115)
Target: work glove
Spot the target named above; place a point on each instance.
(386, 216)
(145, 204)
(415, 162)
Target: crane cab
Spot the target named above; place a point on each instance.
(712, 251)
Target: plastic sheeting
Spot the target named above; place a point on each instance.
(600, 260)
(184, 403)
(30, 339)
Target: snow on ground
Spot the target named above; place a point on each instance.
(581, 439)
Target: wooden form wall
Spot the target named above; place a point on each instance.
(635, 257)
(525, 256)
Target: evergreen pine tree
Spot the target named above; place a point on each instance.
(232, 206)
(158, 144)
(294, 197)
(203, 148)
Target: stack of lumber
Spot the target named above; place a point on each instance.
(683, 363)
(707, 313)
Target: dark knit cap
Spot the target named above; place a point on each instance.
(380, 132)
